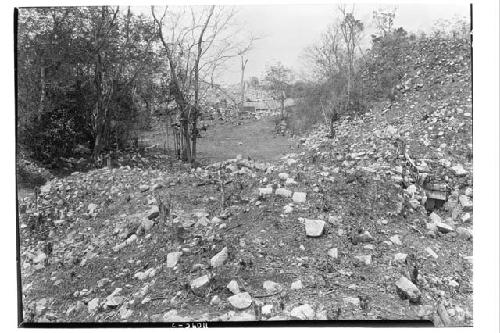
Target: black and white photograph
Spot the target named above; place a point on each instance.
(253, 165)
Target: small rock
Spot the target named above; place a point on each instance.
(400, 257)
(283, 192)
(431, 252)
(464, 233)
(314, 228)
(172, 259)
(299, 197)
(219, 258)
(91, 208)
(287, 209)
(465, 202)
(395, 240)
(240, 301)
(93, 305)
(444, 228)
(199, 282)
(233, 287)
(271, 286)
(263, 191)
(468, 191)
(131, 239)
(172, 317)
(366, 259)
(283, 175)
(466, 218)
(351, 300)
(303, 312)
(333, 253)
(435, 218)
(296, 285)
(290, 182)
(459, 170)
(267, 309)
(113, 301)
(407, 290)
(157, 186)
(154, 212)
(143, 188)
(215, 300)
(363, 237)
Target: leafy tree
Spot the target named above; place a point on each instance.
(278, 79)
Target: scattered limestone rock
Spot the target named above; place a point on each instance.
(290, 182)
(93, 305)
(172, 317)
(363, 237)
(464, 233)
(219, 258)
(303, 312)
(401, 257)
(333, 253)
(199, 282)
(125, 313)
(267, 309)
(395, 239)
(154, 212)
(215, 300)
(466, 218)
(283, 192)
(92, 207)
(444, 228)
(465, 202)
(365, 259)
(351, 300)
(459, 170)
(283, 175)
(431, 252)
(314, 228)
(240, 301)
(296, 285)
(144, 188)
(233, 287)
(299, 197)
(172, 259)
(407, 290)
(271, 286)
(287, 209)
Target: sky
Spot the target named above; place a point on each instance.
(286, 30)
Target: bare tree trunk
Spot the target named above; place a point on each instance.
(42, 93)
(242, 82)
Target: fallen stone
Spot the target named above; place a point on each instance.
(271, 286)
(172, 317)
(215, 300)
(299, 197)
(314, 228)
(114, 301)
(333, 253)
(283, 192)
(464, 233)
(154, 212)
(172, 259)
(365, 259)
(407, 290)
(468, 191)
(287, 209)
(267, 309)
(240, 301)
(466, 218)
(219, 258)
(93, 305)
(199, 282)
(459, 170)
(91, 208)
(143, 188)
(296, 285)
(363, 237)
(303, 312)
(233, 287)
(400, 257)
(444, 228)
(263, 191)
(351, 300)
(290, 182)
(283, 175)
(431, 252)
(465, 202)
(395, 239)
(435, 218)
